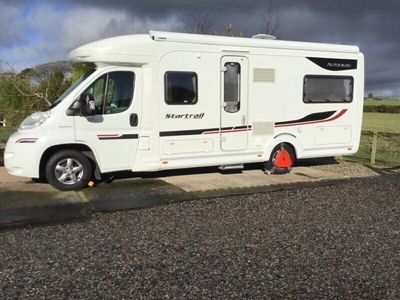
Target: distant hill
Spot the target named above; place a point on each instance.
(39, 72)
(53, 66)
(41, 69)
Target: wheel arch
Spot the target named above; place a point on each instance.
(84, 149)
(286, 138)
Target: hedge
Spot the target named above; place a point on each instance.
(393, 109)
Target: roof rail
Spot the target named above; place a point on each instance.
(161, 36)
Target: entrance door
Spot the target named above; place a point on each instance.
(113, 132)
(234, 103)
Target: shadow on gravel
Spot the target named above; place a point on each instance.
(322, 161)
(110, 177)
(385, 171)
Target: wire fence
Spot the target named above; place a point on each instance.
(379, 147)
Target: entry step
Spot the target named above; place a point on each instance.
(231, 167)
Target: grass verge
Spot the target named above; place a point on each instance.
(381, 122)
(387, 152)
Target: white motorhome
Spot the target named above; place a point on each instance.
(172, 100)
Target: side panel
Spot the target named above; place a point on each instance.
(276, 106)
(189, 131)
(148, 154)
(192, 135)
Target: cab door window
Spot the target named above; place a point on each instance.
(113, 92)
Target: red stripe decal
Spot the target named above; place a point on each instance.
(108, 135)
(227, 131)
(341, 113)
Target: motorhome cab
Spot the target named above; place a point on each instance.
(171, 100)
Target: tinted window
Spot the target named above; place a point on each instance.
(97, 89)
(119, 92)
(112, 92)
(328, 89)
(232, 87)
(180, 87)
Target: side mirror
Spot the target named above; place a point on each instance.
(87, 105)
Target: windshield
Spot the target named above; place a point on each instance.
(70, 89)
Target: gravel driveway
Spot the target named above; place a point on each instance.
(322, 242)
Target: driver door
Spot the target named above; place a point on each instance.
(113, 132)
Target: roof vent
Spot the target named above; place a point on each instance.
(263, 36)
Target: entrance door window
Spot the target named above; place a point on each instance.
(232, 87)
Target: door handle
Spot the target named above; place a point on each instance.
(133, 120)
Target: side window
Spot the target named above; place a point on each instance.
(97, 89)
(328, 89)
(180, 88)
(113, 92)
(119, 92)
(232, 87)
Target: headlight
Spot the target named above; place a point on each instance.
(35, 120)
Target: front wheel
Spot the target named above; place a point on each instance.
(68, 170)
(281, 160)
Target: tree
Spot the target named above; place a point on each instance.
(229, 30)
(197, 22)
(270, 21)
(28, 91)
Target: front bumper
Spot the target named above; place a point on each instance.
(22, 155)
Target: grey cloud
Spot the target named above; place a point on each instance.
(11, 25)
(372, 25)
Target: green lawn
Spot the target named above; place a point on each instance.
(381, 122)
(390, 102)
(5, 133)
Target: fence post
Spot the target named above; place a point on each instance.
(373, 148)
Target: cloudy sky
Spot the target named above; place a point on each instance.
(34, 32)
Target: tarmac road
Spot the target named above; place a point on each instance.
(332, 241)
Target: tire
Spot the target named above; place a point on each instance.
(39, 180)
(283, 164)
(68, 170)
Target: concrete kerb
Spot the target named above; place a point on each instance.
(29, 203)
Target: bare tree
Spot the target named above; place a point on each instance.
(197, 22)
(270, 21)
(13, 79)
(30, 90)
(229, 30)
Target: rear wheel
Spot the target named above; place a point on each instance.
(68, 170)
(281, 160)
